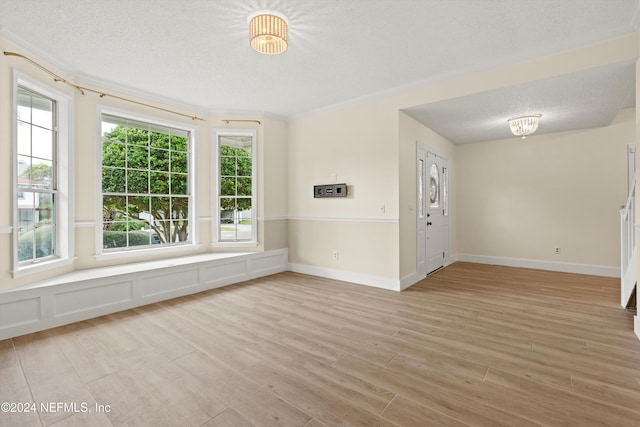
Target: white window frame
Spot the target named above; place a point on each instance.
(193, 217)
(64, 235)
(215, 162)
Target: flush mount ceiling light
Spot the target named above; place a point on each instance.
(524, 125)
(268, 34)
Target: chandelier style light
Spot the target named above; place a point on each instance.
(268, 34)
(524, 125)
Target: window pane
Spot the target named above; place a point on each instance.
(114, 154)
(44, 241)
(138, 208)
(179, 142)
(244, 219)
(227, 166)
(227, 204)
(26, 226)
(445, 190)
(137, 157)
(159, 140)
(138, 134)
(44, 209)
(42, 143)
(42, 112)
(159, 160)
(137, 182)
(228, 186)
(35, 146)
(115, 236)
(160, 208)
(244, 145)
(180, 217)
(24, 105)
(24, 172)
(146, 179)
(244, 187)
(113, 180)
(24, 139)
(243, 203)
(113, 208)
(244, 166)
(421, 188)
(137, 236)
(159, 182)
(179, 184)
(179, 161)
(41, 173)
(236, 187)
(434, 187)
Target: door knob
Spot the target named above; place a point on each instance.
(428, 223)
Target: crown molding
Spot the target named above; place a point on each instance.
(102, 85)
(37, 54)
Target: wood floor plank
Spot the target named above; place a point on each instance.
(50, 376)
(83, 419)
(440, 399)
(248, 398)
(349, 387)
(625, 396)
(314, 400)
(580, 411)
(90, 354)
(14, 388)
(228, 418)
(472, 344)
(341, 343)
(404, 412)
(205, 339)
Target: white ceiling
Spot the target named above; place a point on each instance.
(196, 53)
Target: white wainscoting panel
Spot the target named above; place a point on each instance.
(91, 298)
(20, 312)
(91, 293)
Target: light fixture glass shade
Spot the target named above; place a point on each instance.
(268, 34)
(524, 125)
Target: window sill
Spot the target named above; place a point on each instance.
(167, 250)
(41, 267)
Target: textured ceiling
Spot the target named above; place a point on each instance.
(580, 100)
(196, 53)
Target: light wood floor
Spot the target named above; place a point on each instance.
(470, 345)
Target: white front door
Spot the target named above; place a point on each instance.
(432, 210)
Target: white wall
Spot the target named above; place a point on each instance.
(521, 198)
(370, 145)
(359, 146)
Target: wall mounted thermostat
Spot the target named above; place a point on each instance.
(331, 190)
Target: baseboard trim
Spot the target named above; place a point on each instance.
(410, 280)
(593, 270)
(347, 276)
(86, 294)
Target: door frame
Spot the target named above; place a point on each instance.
(421, 267)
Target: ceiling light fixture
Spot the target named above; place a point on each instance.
(524, 125)
(268, 34)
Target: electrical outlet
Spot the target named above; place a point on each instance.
(335, 255)
(556, 250)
